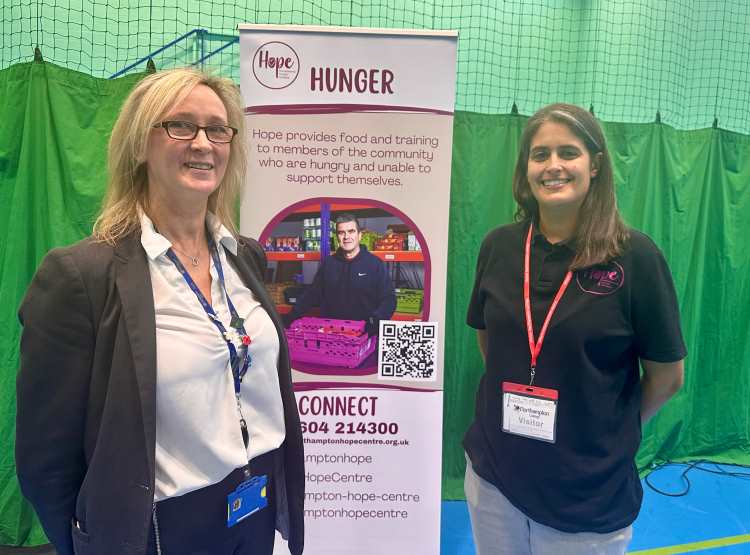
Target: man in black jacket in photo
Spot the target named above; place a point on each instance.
(352, 284)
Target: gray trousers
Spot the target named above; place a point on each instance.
(501, 529)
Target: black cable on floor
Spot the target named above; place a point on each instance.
(695, 465)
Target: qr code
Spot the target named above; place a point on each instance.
(408, 351)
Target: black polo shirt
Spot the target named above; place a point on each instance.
(608, 318)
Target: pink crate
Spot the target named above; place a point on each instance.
(330, 342)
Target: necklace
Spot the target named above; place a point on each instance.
(194, 260)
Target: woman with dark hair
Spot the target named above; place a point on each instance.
(569, 305)
(155, 406)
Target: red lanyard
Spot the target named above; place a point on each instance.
(535, 347)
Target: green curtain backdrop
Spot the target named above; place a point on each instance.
(687, 189)
(53, 137)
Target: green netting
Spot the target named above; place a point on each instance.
(689, 60)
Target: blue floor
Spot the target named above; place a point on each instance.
(716, 508)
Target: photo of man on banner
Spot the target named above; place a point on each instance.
(352, 284)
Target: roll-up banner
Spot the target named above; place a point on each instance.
(350, 134)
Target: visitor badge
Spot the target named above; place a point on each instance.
(249, 498)
(529, 411)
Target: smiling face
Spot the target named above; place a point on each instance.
(182, 169)
(559, 169)
(349, 237)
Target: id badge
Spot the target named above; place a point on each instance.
(249, 498)
(530, 411)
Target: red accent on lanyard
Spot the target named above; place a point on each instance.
(535, 347)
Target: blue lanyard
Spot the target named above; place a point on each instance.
(239, 364)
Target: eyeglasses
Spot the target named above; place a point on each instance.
(187, 131)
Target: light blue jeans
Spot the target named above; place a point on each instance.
(501, 529)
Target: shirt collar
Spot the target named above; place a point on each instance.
(155, 244)
(340, 253)
(221, 234)
(538, 237)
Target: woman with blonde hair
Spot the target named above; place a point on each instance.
(155, 406)
(569, 304)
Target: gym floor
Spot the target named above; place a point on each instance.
(712, 518)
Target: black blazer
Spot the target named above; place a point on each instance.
(86, 412)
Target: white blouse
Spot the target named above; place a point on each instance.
(198, 437)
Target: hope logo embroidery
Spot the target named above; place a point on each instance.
(601, 280)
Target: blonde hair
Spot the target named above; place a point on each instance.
(601, 234)
(147, 104)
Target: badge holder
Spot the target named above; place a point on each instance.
(249, 498)
(530, 411)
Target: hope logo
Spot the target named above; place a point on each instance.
(601, 280)
(275, 65)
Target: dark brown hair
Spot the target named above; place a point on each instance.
(600, 235)
(345, 218)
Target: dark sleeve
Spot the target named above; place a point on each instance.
(52, 390)
(655, 313)
(311, 297)
(475, 313)
(386, 301)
